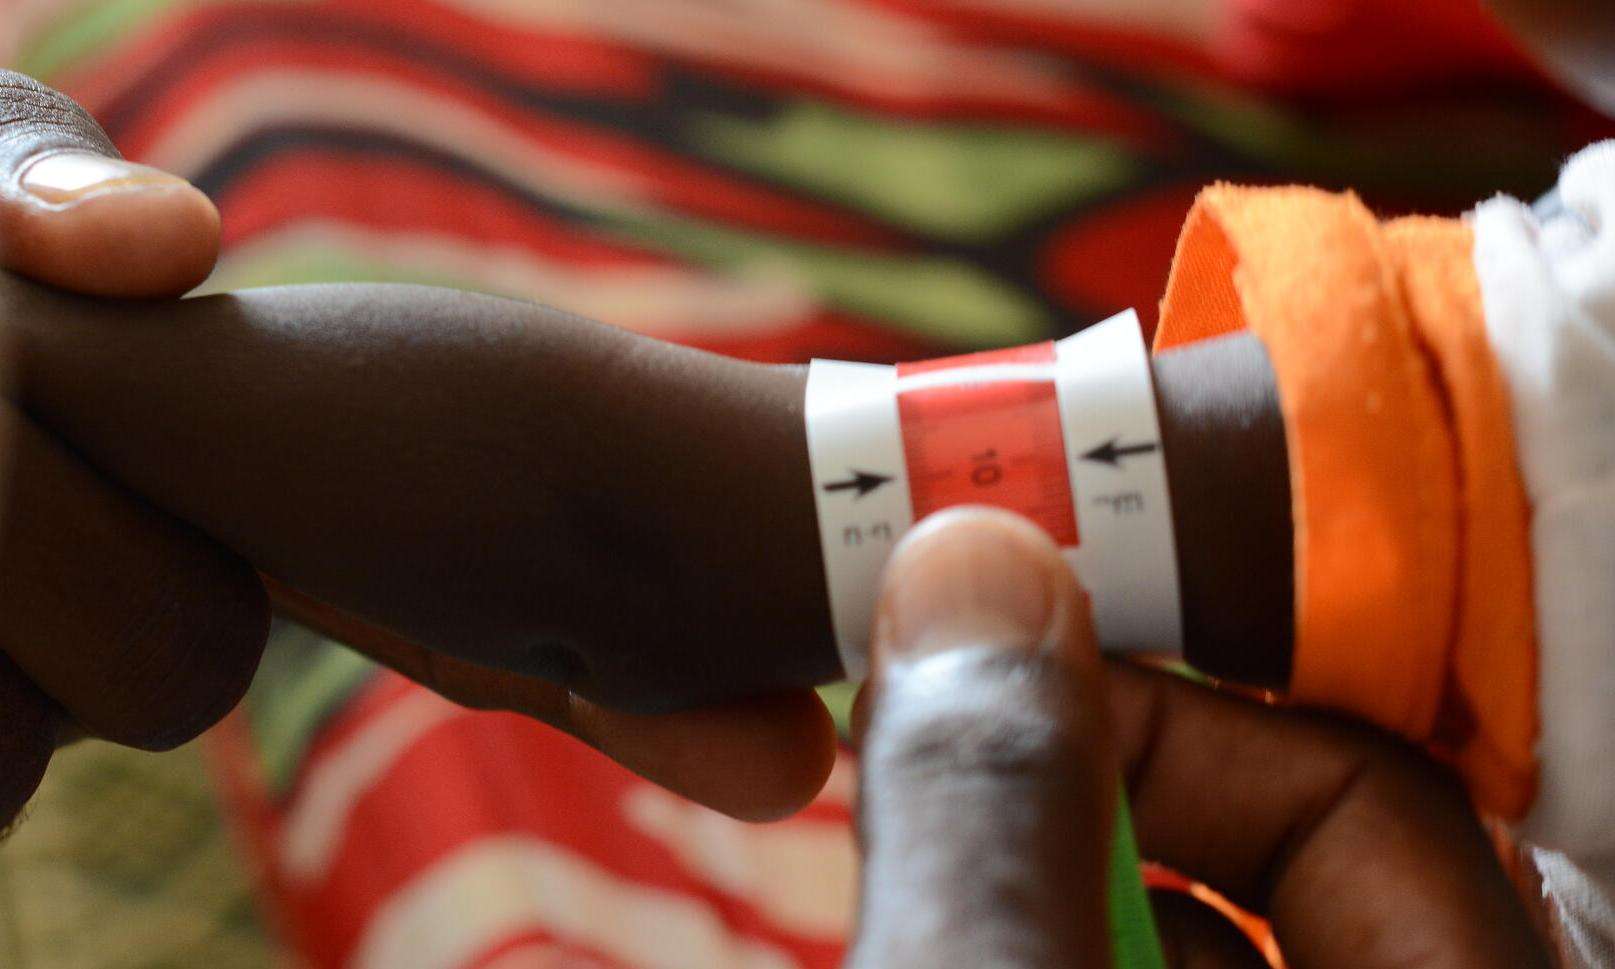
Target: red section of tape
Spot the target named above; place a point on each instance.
(987, 438)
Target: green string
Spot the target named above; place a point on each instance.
(1133, 942)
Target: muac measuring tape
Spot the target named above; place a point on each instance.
(1064, 433)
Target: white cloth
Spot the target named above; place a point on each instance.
(1549, 294)
(1586, 909)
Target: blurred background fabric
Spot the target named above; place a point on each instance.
(772, 179)
(125, 863)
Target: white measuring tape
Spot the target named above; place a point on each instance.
(1064, 433)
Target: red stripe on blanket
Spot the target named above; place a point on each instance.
(400, 195)
(1118, 253)
(827, 334)
(540, 950)
(1075, 32)
(627, 167)
(477, 776)
(563, 62)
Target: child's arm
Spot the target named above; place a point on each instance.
(560, 498)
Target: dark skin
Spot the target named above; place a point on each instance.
(141, 629)
(166, 622)
(123, 622)
(1361, 852)
(994, 740)
(374, 446)
(484, 477)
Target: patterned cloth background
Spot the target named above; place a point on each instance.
(775, 179)
(125, 863)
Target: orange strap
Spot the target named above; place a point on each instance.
(1413, 592)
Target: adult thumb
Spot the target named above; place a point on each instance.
(988, 778)
(76, 215)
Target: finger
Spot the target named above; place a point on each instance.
(136, 625)
(74, 214)
(986, 781)
(1360, 851)
(757, 760)
(27, 738)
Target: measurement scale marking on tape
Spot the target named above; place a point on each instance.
(989, 436)
(1064, 434)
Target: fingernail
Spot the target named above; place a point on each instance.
(970, 577)
(70, 176)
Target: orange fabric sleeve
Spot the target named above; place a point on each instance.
(1490, 720)
(1413, 595)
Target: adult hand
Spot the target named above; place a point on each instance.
(76, 215)
(993, 743)
(118, 620)
(124, 623)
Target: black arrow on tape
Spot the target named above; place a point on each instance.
(864, 481)
(1112, 453)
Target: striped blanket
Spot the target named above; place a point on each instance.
(774, 179)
